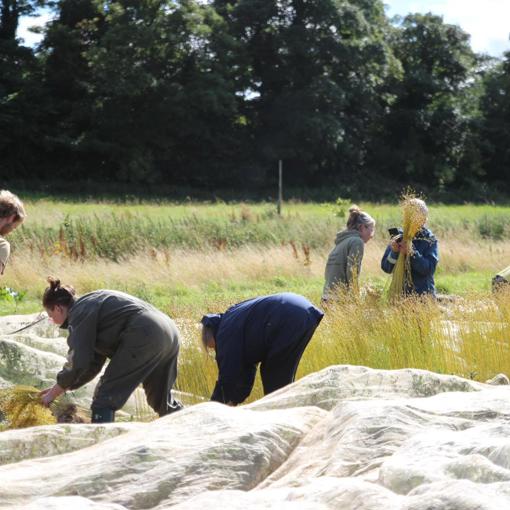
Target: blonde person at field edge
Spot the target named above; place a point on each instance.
(424, 256)
(12, 214)
(344, 261)
(141, 342)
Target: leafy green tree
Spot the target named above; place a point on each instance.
(424, 135)
(495, 125)
(18, 67)
(309, 74)
(66, 87)
(214, 93)
(164, 108)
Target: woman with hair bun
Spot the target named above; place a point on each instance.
(344, 262)
(141, 342)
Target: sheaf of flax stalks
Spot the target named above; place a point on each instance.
(412, 220)
(20, 407)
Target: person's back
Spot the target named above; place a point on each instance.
(344, 261)
(424, 262)
(343, 266)
(109, 312)
(271, 330)
(265, 324)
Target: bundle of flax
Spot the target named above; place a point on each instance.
(414, 216)
(21, 407)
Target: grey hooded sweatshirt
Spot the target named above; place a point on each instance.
(344, 261)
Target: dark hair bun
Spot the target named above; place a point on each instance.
(57, 294)
(54, 282)
(357, 217)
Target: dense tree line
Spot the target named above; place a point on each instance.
(214, 93)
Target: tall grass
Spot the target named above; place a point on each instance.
(469, 337)
(182, 280)
(81, 231)
(117, 236)
(198, 258)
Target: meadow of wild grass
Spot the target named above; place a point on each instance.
(193, 258)
(184, 254)
(469, 337)
(114, 231)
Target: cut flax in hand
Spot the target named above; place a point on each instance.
(414, 217)
(21, 407)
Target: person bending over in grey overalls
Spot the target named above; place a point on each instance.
(141, 342)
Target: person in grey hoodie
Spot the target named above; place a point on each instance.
(344, 262)
(141, 342)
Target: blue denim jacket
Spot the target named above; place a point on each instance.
(423, 262)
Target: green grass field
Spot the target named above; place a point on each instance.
(192, 258)
(197, 250)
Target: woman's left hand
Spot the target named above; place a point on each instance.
(403, 248)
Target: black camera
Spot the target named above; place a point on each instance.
(396, 233)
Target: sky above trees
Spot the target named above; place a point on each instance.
(486, 21)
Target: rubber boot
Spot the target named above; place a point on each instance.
(103, 415)
(173, 407)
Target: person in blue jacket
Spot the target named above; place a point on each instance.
(424, 257)
(271, 330)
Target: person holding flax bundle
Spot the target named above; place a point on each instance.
(141, 342)
(12, 214)
(271, 330)
(420, 252)
(344, 262)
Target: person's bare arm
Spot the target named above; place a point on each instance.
(50, 394)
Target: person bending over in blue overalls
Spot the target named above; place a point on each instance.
(271, 330)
